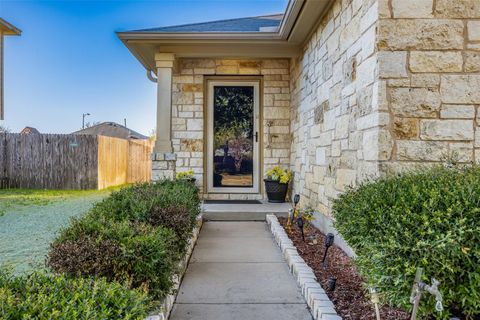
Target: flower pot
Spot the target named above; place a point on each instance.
(276, 191)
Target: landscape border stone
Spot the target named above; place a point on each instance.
(317, 300)
(166, 305)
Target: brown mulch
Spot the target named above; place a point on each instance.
(350, 298)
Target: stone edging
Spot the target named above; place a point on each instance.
(320, 305)
(166, 304)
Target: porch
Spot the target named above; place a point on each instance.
(237, 211)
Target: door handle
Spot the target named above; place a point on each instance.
(256, 136)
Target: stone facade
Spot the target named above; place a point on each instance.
(433, 100)
(338, 119)
(383, 86)
(188, 112)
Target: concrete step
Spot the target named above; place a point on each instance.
(243, 212)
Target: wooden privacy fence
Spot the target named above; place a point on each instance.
(67, 161)
(123, 161)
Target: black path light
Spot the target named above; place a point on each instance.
(296, 200)
(300, 224)
(329, 238)
(331, 283)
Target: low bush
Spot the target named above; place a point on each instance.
(40, 296)
(137, 253)
(427, 219)
(137, 202)
(176, 218)
(137, 234)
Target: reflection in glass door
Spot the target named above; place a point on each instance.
(233, 137)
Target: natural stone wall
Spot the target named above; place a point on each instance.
(434, 91)
(383, 86)
(188, 112)
(338, 117)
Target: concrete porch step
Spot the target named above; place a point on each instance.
(243, 212)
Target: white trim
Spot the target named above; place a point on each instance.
(256, 144)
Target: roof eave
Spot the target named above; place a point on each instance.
(8, 29)
(131, 35)
(300, 18)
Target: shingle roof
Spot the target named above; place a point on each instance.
(111, 129)
(252, 24)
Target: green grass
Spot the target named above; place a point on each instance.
(10, 198)
(30, 220)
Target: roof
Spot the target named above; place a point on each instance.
(268, 23)
(8, 29)
(112, 129)
(29, 130)
(263, 37)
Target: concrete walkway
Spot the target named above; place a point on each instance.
(238, 273)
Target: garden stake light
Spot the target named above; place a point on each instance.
(332, 282)
(292, 213)
(300, 225)
(375, 300)
(328, 243)
(296, 199)
(419, 287)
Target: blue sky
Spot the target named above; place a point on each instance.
(69, 61)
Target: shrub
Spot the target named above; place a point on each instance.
(85, 255)
(40, 296)
(136, 203)
(137, 234)
(427, 219)
(176, 218)
(138, 253)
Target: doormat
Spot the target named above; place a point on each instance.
(232, 202)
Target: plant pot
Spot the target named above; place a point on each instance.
(276, 191)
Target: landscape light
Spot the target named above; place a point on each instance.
(331, 283)
(300, 225)
(329, 238)
(296, 199)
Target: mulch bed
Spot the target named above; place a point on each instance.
(349, 297)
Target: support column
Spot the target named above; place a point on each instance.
(163, 158)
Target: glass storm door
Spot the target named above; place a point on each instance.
(233, 137)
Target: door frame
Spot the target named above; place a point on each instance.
(256, 82)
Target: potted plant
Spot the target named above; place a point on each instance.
(276, 184)
(186, 176)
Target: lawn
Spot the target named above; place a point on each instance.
(30, 220)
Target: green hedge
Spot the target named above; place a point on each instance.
(428, 219)
(136, 235)
(40, 296)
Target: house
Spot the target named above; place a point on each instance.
(6, 29)
(29, 130)
(112, 129)
(338, 91)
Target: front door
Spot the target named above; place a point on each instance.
(233, 137)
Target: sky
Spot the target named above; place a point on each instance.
(68, 60)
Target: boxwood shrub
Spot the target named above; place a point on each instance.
(41, 296)
(136, 235)
(428, 219)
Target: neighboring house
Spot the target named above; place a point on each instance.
(338, 91)
(29, 130)
(112, 129)
(6, 29)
